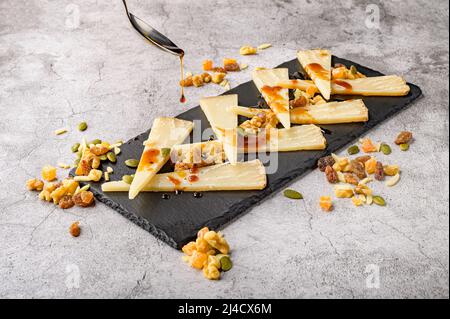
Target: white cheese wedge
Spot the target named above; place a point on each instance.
(327, 113)
(317, 63)
(221, 177)
(276, 97)
(388, 85)
(222, 122)
(296, 138)
(166, 132)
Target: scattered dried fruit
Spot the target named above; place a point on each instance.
(206, 77)
(197, 80)
(230, 65)
(49, 173)
(98, 149)
(403, 138)
(358, 200)
(35, 184)
(74, 229)
(324, 162)
(367, 146)
(363, 159)
(379, 172)
(84, 199)
(357, 168)
(66, 202)
(331, 175)
(326, 203)
(207, 65)
(292, 194)
(371, 165)
(391, 170)
(187, 81)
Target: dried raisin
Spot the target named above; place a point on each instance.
(357, 168)
(403, 138)
(362, 159)
(324, 162)
(66, 202)
(84, 199)
(379, 172)
(331, 174)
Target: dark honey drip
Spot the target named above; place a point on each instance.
(182, 98)
(198, 195)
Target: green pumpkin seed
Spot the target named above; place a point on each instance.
(103, 157)
(353, 70)
(95, 142)
(111, 157)
(292, 194)
(82, 126)
(225, 262)
(132, 162)
(404, 147)
(352, 150)
(128, 178)
(379, 200)
(75, 147)
(165, 151)
(385, 149)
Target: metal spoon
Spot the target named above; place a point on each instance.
(151, 34)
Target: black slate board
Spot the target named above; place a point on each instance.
(177, 220)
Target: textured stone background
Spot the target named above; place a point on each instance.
(53, 76)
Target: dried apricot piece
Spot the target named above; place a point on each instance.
(325, 203)
(74, 229)
(207, 65)
(49, 173)
(367, 146)
(371, 165)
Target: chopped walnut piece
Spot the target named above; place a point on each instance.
(324, 162)
(74, 229)
(379, 172)
(403, 138)
(363, 159)
(84, 199)
(35, 184)
(331, 175)
(358, 169)
(350, 178)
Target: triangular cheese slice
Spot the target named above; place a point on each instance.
(166, 132)
(223, 122)
(249, 175)
(317, 63)
(276, 97)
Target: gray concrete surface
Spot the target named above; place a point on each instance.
(55, 73)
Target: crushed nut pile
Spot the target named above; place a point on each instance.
(210, 253)
(352, 175)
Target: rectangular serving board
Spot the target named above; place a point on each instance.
(176, 220)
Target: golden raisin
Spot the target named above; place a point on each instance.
(300, 102)
(357, 168)
(84, 199)
(206, 77)
(187, 82)
(198, 259)
(403, 138)
(371, 165)
(99, 149)
(66, 202)
(197, 80)
(75, 229)
(350, 178)
(218, 77)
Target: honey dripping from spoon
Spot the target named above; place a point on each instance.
(182, 98)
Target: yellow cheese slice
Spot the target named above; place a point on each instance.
(222, 122)
(276, 97)
(317, 63)
(166, 132)
(249, 175)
